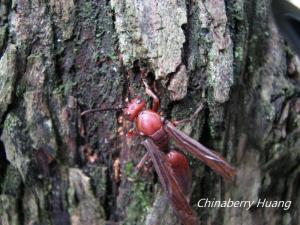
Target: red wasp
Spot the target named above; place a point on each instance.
(171, 166)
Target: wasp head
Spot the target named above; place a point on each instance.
(134, 108)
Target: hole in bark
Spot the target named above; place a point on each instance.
(3, 162)
(296, 25)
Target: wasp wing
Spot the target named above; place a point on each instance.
(170, 185)
(212, 159)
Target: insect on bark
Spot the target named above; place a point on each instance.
(172, 167)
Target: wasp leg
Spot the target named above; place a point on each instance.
(143, 161)
(145, 164)
(156, 102)
(132, 133)
(192, 117)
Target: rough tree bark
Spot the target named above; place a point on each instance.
(59, 58)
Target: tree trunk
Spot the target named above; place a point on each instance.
(59, 58)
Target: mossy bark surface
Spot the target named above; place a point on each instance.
(59, 58)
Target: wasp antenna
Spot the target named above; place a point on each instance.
(101, 110)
